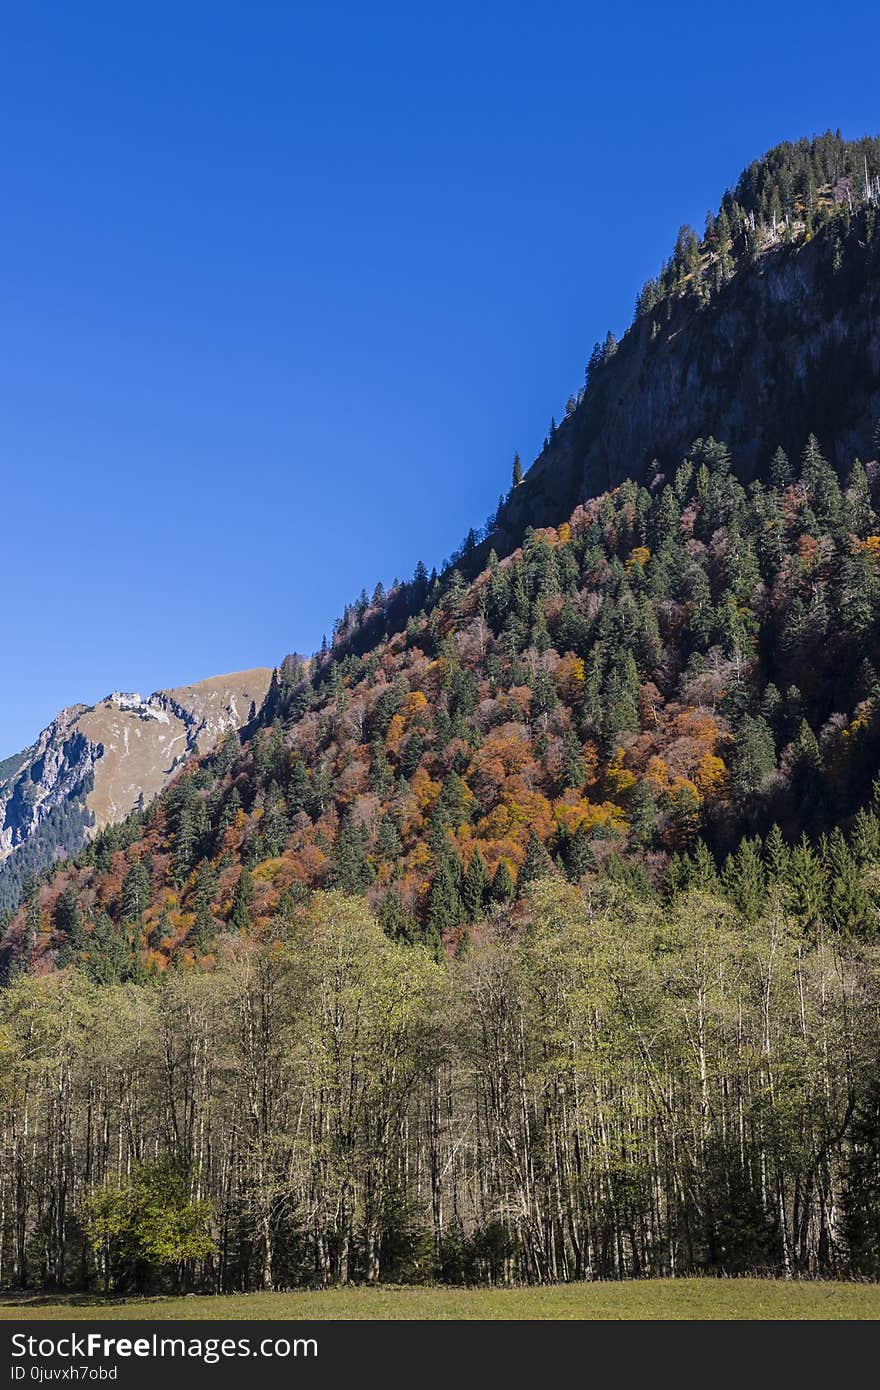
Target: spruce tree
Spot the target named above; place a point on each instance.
(444, 902)
(808, 882)
(239, 914)
(537, 863)
(776, 855)
(744, 879)
(349, 869)
(642, 811)
(203, 930)
(503, 884)
(135, 891)
(578, 856)
(848, 900)
(474, 888)
(109, 959)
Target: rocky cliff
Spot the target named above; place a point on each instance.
(93, 764)
(790, 345)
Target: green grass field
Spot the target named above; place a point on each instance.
(651, 1298)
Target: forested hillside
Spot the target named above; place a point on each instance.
(759, 329)
(529, 930)
(680, 664)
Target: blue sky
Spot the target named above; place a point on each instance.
(282, 287)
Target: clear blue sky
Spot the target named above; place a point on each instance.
(285, 285)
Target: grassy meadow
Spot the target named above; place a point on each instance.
(665, 1299)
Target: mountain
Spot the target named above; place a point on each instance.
(687, 657)
(679, 665)
(761, 332)
(93, 764)
(531, 930)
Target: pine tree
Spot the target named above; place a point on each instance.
(239, 914)
(517, 470)
(849, 902)
(444, 902)
(503, 884)
(537, 863)
(475, 888)
(349, 869)
(781, 472)
(578, 856)
(642, 810)
(135, 891)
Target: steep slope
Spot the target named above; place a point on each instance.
(92, 765)
(765, 329)
(678, 666)
(677, 662)
(621, 780)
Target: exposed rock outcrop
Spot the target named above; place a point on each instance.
(790, 345)
(94, 764)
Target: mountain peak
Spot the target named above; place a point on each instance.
(93, 764)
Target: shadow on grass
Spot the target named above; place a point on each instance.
(63, 1299)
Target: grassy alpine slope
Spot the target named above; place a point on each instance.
(656, 1299)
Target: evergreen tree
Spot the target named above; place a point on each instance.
(503, 884)
(186, 834)
(69, 922)
(239, 913)
(349, 868)
(109, 959)
(135, 891)
(776, 854)
(578, 856)
(754, 757)
(204, 929)
(744, 879)
(849, 902)
(444, 901)
(537, 863)
(642, 810)
(397, 922)
(807, 882)
(475, 888)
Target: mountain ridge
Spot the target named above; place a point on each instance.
(92, 764)
(688, 370)
(531, 930)
(793, 248)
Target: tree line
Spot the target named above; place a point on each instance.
(596, 1084)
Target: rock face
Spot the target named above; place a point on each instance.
(791, 345)
(56, 768)
(92, 765)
